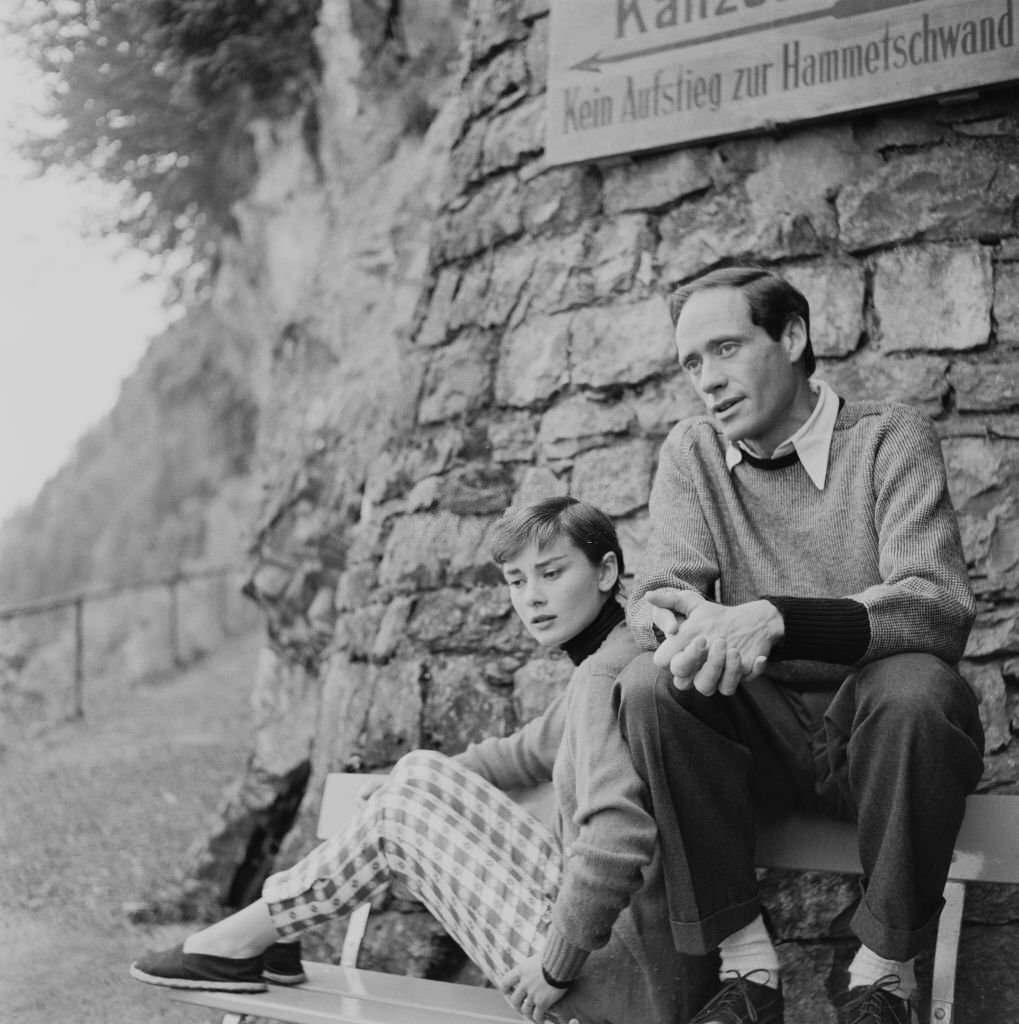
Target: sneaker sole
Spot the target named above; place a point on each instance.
(208, 986)
(285, 979)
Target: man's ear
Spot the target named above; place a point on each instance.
(608, 572)
(794, 338)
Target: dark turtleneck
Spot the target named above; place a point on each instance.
(592, 636)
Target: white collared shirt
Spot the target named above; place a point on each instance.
(812, 442)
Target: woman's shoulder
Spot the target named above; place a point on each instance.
(616, 652)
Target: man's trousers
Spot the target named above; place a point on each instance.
(896, 748)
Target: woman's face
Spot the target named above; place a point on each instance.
(556, 590)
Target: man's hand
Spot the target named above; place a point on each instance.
(528, 992)
(716, 647)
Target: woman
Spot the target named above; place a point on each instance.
(568, 921)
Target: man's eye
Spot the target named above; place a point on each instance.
(728, 348)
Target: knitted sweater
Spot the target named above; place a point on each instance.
(611, 897)
(870, 566)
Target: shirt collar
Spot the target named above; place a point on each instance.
(812, 442)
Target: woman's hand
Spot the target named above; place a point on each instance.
(528, 992)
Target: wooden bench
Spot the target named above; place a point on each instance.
(987, 851)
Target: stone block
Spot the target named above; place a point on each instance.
(619, 249)
(514, 137)
(989, 685)
(697, 235)
(805, 905)
(560, 280)
(933, 297)
(978, 471)
(513, 439)
(533, 360)
(536, 56)
(654, 182)
(560, 199)
(457, 380)
(538, 683)
(920, 381)
(578, 423)
(995, 632)
(617, 479)
(476, 489)
(356, 630)
(437, 325)
(464, 162)
(492, 215)
(986, 386)
(536, 484)
(1006, 302)
(432, 550)
(392, 627)
(947, 192)
(835, 290)
(493, 24)
(660, 404)
(502, 76)
(805, 974)
(986, 987)
(633, 531)
(621, 345)
(460, 707)
(457, 621)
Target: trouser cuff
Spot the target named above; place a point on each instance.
(705, 936)
(893, 943)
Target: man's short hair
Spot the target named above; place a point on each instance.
(544, 522)
(772, 299)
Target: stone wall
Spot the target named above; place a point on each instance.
(537, 360)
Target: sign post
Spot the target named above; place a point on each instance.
(631, 75)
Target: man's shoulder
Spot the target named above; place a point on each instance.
(698, 431)
(878, 416)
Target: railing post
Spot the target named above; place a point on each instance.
(173, 585)
(79, 657)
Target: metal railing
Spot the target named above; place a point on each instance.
(78, 599)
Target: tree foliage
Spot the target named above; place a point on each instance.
(154, 95)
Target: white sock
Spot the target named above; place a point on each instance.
(750, 950)
(867, 968)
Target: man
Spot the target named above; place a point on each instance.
(806, 599)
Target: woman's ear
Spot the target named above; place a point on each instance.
(608, 572)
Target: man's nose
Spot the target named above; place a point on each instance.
(712, 376)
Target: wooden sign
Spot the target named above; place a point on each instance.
(629, 75)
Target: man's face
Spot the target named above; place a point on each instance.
(747, 380)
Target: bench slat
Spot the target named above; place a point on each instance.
(343, 995)
(987, 849)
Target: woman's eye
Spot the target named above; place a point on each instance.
(551, 574)
(692, 365)
(513, 584)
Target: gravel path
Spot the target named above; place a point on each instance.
(94, 814)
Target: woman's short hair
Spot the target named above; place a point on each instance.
(546, 521)
(772, 299)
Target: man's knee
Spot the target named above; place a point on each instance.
(639, 688)
(920, 692)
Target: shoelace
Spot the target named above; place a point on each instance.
(869, 1004)
(734, 999)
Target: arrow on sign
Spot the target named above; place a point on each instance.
(839, 9)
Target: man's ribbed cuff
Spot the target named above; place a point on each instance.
(834, 630)
(562, 959)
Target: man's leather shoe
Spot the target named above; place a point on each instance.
(875, 1004)
(742, 1001)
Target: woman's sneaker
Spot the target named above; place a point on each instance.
(281, 964)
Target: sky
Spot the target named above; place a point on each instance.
(75, 318)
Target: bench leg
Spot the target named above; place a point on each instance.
(946, 954)
(356, 925)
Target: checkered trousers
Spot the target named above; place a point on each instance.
(486, 869)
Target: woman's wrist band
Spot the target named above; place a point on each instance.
(554, 982)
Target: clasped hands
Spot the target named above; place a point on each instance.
(711, 647)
